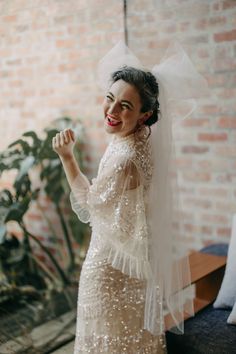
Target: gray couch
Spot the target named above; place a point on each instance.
(207, 332)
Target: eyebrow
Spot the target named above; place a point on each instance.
(130, 103)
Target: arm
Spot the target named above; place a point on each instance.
(73, 172)
(63, 144)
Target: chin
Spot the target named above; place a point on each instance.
(109, 130)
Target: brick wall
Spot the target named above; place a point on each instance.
(49, 50)
(48, 56)
(206, 150)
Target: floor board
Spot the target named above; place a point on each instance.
(66, 349)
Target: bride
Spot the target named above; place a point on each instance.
(130, 276)
(113, 279)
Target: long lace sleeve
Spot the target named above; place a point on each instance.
(79, 197)
(119, 215)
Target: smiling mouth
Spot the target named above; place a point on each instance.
(112, 122)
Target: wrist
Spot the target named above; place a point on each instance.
(67, 157)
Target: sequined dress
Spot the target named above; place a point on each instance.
(110, 308)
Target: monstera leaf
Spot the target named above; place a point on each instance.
(34, 157)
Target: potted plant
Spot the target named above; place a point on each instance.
(22, 273)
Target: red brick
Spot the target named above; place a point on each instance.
(227, 122)
(204, 164)
(67, 67)
(14, 62)
(224, 178)
(216, 6)
(206, 230)
(226, 205)
(158, 44)
(182, 162)
(65, 43)
(203, 53)
(228, 4)
(194, 176)
(190, 227)
(227, 93)
(34, 216)
(212, 137)
(225, 36)
(216, 79)
(201, 203)
(224, 231)
(5, 73)
(209, 108)
(196, 39)
(194, 149)
(226, 150)
(196, 122)
(184, 26)
(201, 24)
(15, 83)
(10, 18)
(217, 21)
(214, 218)
(41, 257)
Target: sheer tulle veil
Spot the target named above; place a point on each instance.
(180, 85)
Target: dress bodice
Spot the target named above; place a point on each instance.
(116, 204)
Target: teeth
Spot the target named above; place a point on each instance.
(112, 120)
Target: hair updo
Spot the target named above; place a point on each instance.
(147, 86)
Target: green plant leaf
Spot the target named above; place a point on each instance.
(3, 232)
(78, 229)
(25, 166)
(18, 210)
(6, 198)
(33, 135)
(24, 145)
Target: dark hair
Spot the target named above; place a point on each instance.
(147, 86)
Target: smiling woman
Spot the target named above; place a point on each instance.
(131, 101)
(131, 276)
(122, 109)
(113, 279)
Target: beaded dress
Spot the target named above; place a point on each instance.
(111, 296)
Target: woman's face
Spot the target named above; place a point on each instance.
(122, 107)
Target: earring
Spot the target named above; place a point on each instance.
(140, 122)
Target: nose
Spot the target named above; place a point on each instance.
(113, 109)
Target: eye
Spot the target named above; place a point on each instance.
(109, 98)
(125, 106)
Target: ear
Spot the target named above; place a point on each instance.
(145, 116)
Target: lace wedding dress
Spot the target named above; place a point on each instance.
(111, 297)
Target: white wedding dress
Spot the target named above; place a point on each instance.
(111, 297)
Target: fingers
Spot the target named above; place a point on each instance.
(72, 134)
(63, 138)
(54, 142)
(67, 136)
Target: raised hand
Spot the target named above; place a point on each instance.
(63, 143)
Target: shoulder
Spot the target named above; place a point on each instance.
(143, 157)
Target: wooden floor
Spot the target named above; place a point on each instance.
(49, 335)
(66, 349)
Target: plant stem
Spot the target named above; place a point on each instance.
(45, 269)
(67, 238)
(63, 276)
(50, 225)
